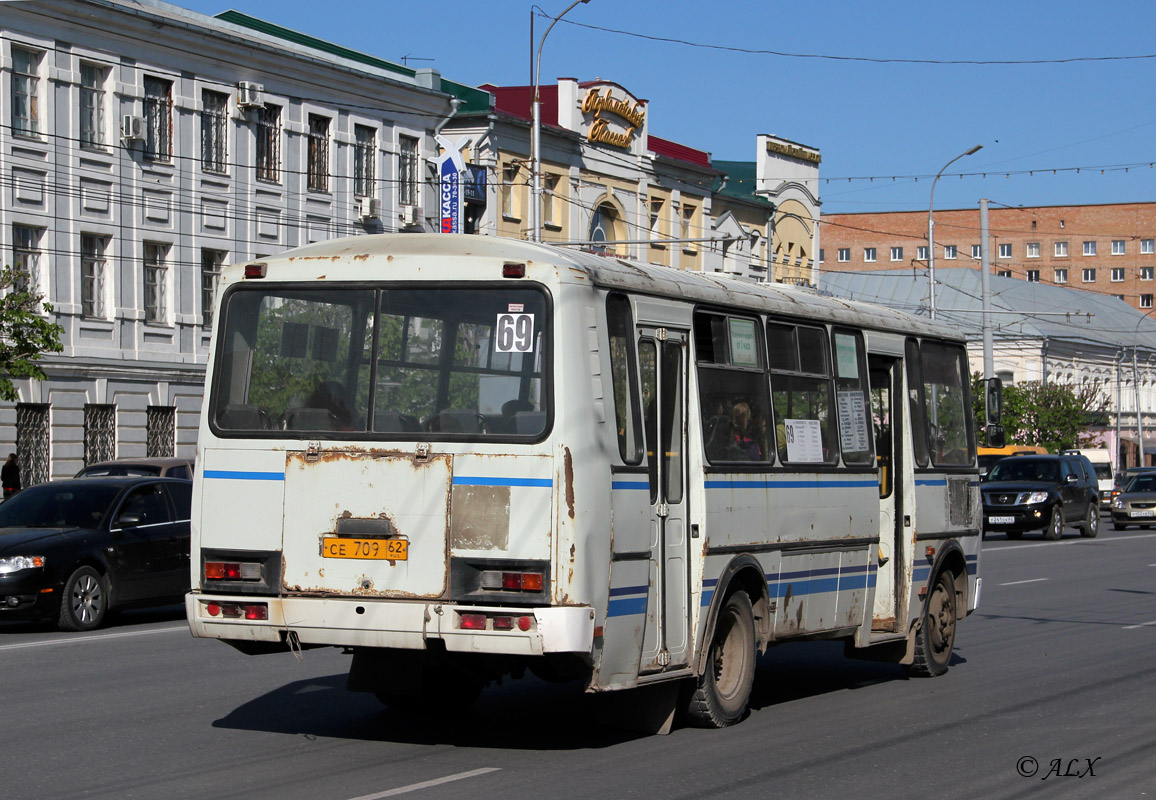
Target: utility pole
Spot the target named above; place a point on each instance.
(985, 284)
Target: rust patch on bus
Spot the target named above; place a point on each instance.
(480, 518)
(569, 483)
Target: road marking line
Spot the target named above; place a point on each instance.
(1017, 583)
(1141, 625)
(413, 787)
(992, 551)
(98, 637)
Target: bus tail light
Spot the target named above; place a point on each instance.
(512, 581)
(250, 611)
(232, 571)
(513, 270)
(473, 622)
(256, 270)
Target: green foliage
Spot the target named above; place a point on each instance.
(1052, 416)
(25, 332)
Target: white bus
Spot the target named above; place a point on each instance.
(459, 457)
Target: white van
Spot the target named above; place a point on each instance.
(1102, 462)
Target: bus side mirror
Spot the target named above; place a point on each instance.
(993, 397)
(996, 436)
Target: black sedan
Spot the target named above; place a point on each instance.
(72, 550)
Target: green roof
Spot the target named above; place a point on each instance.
(473, 99)
(740, 183)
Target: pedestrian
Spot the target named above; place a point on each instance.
(10, 476)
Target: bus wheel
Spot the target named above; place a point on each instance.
(1091, 525)
(1055, 527)
(723, 690)
(936, 636)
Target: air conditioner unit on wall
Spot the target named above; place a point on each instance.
(367, 207)
(132, 128)
(249, 95)
(410, 215)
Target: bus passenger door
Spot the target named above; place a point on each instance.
(662, 366)
(886, 411)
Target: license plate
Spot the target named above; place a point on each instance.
(372, 549)
(1000, 520)
(1148, 513)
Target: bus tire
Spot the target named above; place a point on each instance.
(1055, 528)
(723, 691)
(936, 635)
(1091, 525)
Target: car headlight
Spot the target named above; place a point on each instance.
(17, 563)
(1038, 497)
(1118, 502)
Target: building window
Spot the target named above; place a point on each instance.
(1118, 296)
(99, 432)
(1147, 247)
(1117, 274)
(921, 252)
(155, 280)
(161, 427)
(686, 227)
(269, 144)
(822, 255)
(1089, 276)
(211, 263)
(844, 253)
(509, 179)
(896, 253)
(1061, 249)
(407, 164)
(92, 125)
(364, 160)
(868, 254)
(655, 219)
(1060, 275)
(318, 160)
(549, 206)
(214, 116)
(158, 105)
(1145, 301)
(1146, 273)
(1005, 250)
(1089, 248)
(26, 257)
(92, 275)
(1033, 276)
(977, 251)
(1117, 247)
(25, 92)
(33, 442)
(1004, 273)
(950, 251)
(1033, 249)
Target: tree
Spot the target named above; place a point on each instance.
(1052, 416)
(25, 333)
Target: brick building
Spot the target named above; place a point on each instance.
(1109, 249)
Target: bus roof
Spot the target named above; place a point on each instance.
(612, 272)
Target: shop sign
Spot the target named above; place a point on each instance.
(791, 151)
(450, 168)
(626, 114)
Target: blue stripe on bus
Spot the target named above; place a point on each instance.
(729, 483)
(931, 481)
(616, 591)
(632, 485)
(237, 475)
(463, 480)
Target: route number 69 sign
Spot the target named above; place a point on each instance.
(515, 333)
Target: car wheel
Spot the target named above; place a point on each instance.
(723, 690)
(1091, 525)
(936, 636)
(1055, 527)
(1014, 534)
(84, 602)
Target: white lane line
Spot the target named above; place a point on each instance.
(994, 550)
(413, 787)
(1141, 625)
(1017, 583)
(100, 637)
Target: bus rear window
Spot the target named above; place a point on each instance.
(461, 363)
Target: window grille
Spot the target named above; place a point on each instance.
(158, 106)
(214, 118)
(161, 422)
(364, 160)
(99, 432)
(407, 163)
(268, 144)
(33, 442)
(318, 153)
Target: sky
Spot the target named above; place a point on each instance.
(871, 85)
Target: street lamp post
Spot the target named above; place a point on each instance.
(536, 137)
(931, 226)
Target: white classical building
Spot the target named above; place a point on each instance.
(142, 146)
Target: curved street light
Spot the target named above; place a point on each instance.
(931, 226)
(536, 136)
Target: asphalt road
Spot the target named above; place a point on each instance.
(1052, 693)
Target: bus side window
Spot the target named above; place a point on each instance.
(624, 377)
(919, 433)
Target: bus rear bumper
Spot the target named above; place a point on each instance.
(356, 622)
